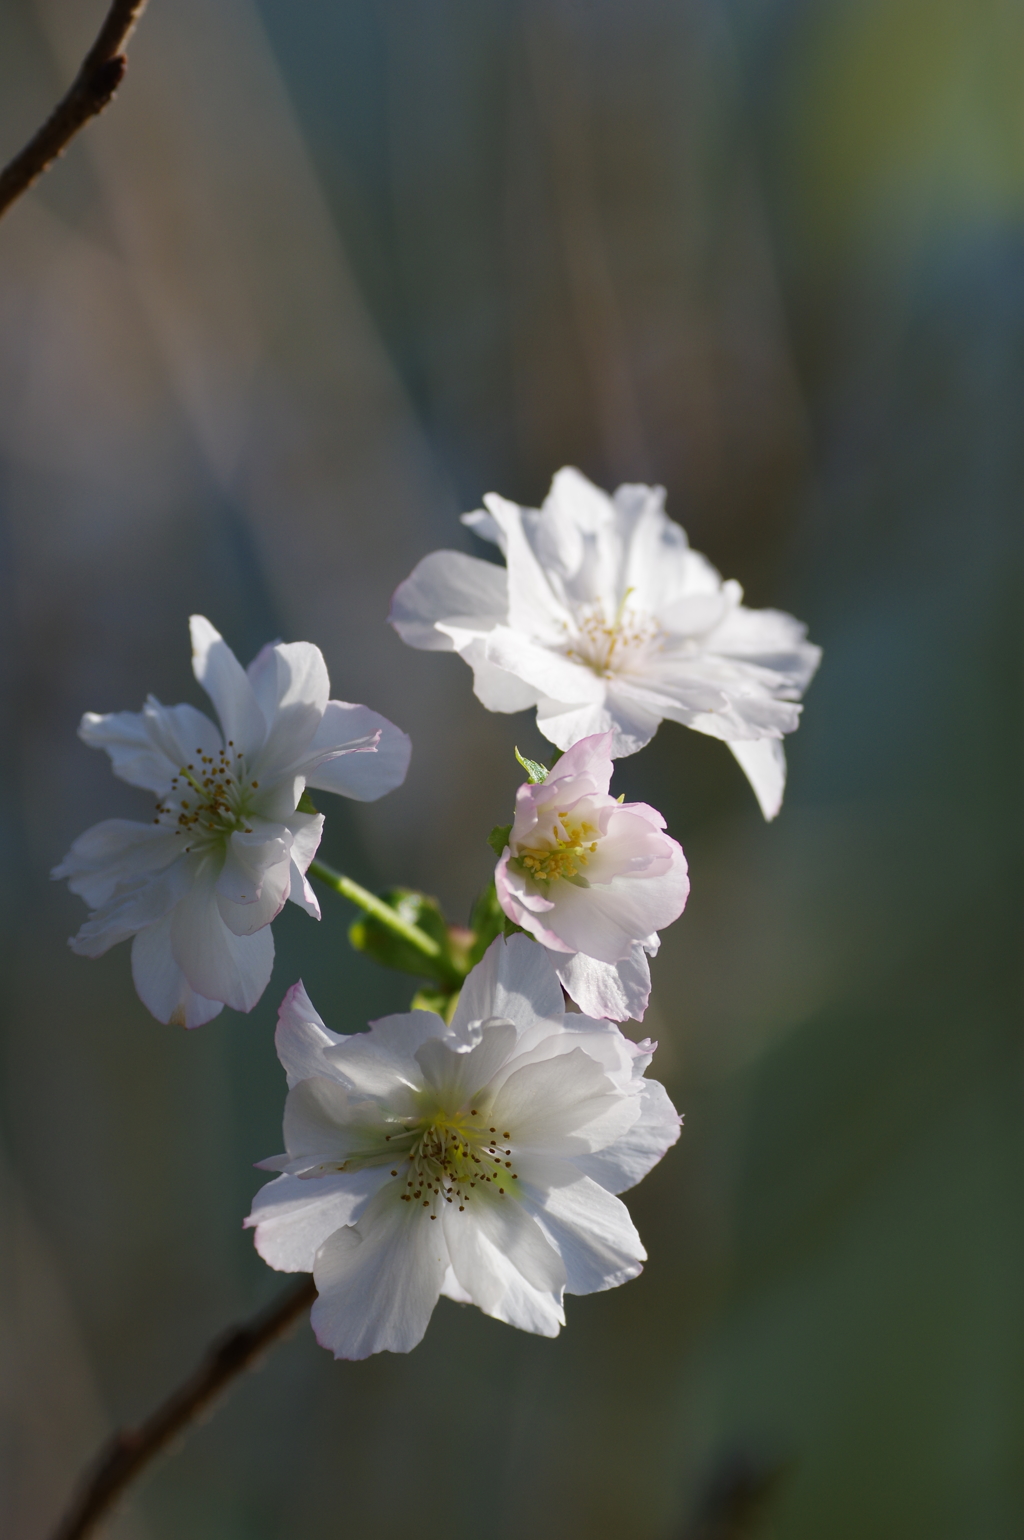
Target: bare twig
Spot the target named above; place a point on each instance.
(92, 88)
(130, 1450)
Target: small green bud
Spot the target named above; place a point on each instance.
(535, 771)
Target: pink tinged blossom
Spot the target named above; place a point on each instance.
(593, 880)
(605, 620)
(479, 1160)
(198, 886)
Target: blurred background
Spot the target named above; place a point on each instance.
(322, 276)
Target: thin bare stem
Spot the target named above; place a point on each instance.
(131, 1450)
(92, 88)
(376, 907)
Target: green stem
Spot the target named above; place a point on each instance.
(382, 913)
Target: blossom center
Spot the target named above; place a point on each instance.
(571, 847)
(209, 800)
(609, 647)
(455, 1159)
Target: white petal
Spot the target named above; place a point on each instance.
(147, 748)
(515, 982)
(327, 1121)
(383, 1061)
(448, 586)
(249, 860)
(162, 987)
(623, 1163)
(486, 527)
(549, 672)
(307, 829)
(492, 1236)
(113, 853)
(225, 682)
(293, 1217)
(593, 1232)
(289, 674)
(301, 1036)
(763, 762)
(216, 962)
(494, 687)
(379, 1280)
(301, 892)
(657, 560)
(293, 681)
(548, 1105)
(358, 771)
(132, 908)
(245, 919)
(771, 638)
(456, 1076)
(632, 723)
(614, 991)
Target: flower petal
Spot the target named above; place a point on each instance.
(493, 1235)
(494, 687)
(293, 1217)
(592, 1230)
(216, 962)
(632, 723)
(383, 1061)
(225, 682)
(301, 1036)
(357, 768)
(546, 1104)
(379, 1280)
(449, 587)
(328, 1122)
(623, 1163)
(614, 991)
(132, 908)
(113, 853)
(161, 986)
(549, 672)
(457, 1076)
(763, 762)
(249, 860)
(307, 829)
(293, 689)
(515, 982)
(147, 748)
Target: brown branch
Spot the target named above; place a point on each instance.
(130, 1450)
(92, 88)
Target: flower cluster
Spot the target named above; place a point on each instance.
(229, 842)
(478, 1160)
(476, 1145)
(605, 620)
(593, 880)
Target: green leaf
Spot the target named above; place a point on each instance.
(486, 921)
(512, 929)
(498, 838)
(535, 771)
(377, 941)
(440, 1001)
(306, 804)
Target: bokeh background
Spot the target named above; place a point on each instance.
(324, 274)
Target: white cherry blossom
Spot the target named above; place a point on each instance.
(198, 886)
(478, 1160)
(592, 879)
(606, 620)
